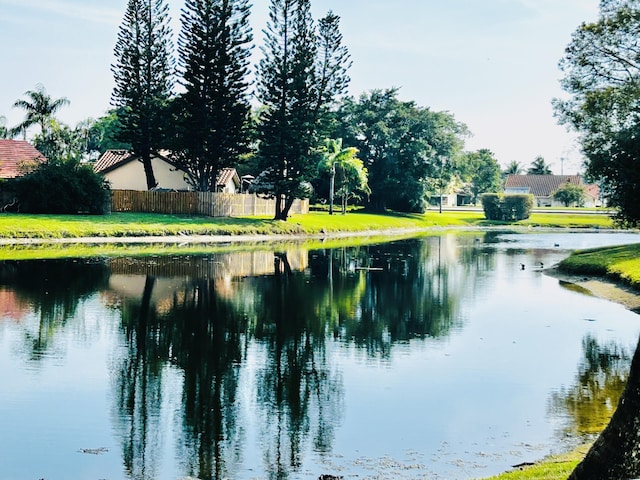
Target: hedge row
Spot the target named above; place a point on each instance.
(508, 208)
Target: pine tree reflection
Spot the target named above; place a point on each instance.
(298, 392)
(139, 387)
(208, 343)
(601, 379)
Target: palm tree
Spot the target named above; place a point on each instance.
(4, 131)
(513, 168)
(539, 167)
(40, 108)
(354, 174)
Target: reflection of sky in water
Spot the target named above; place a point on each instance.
(468, 404)
(562, 240)
(477, 402)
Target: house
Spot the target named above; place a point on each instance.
(15, 155)
(125, 171)
(228, 181)
(542, 187)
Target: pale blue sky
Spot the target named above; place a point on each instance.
(491, 63)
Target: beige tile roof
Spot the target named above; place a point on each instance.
(14, 154)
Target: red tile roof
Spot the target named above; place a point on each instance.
(14, 155)
(112, 159)
(226, 175)
(539, 185)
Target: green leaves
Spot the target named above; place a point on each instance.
(601, 70)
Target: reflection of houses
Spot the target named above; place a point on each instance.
(12, 307)
(542, 187)
(15, 155)
(129, 275)
(125, 171)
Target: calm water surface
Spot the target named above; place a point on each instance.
(438, 357)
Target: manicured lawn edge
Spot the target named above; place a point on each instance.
(621, 263)
(117, 225)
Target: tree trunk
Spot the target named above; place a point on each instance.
(148, 171)
(615, 455)
(288, 203)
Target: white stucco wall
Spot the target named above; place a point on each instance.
(130, 176)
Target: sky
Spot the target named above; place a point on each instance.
(492, 64)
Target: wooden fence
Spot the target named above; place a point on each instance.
(198, 203)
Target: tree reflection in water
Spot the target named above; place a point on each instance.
(601, 379)
(53, 290)
(277, 317)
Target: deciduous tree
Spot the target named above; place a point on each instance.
(601, 68)
(481, 171)
(402, 145)
(570, 194)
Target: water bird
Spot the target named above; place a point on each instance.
(556, 244)
(522, 266)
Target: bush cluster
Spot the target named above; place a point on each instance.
(508, 208)
(62, 188)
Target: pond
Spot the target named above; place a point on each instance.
(451, 356)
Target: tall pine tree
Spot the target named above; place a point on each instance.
(295, 85)
(143, 79)
(213, 112)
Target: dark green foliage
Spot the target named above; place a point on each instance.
(509, 208)
(213, 112)
(103, 134)
(601, 68)
(492, 206)
(539, 167)
(570, 194)
(481, 172)
(517, 207)
(405, 148)
(62, 188)
(143, 79)
(296, 86)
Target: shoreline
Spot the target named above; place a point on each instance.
(279, 237)
(601, 287)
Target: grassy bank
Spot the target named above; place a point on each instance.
(133, 224)
(621, 263)
(617, 263)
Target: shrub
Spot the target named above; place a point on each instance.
(507, 207)
(491, 204)
(62, 188)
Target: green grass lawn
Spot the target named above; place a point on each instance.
(552, 468)
(619, 263)
(136, 224)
